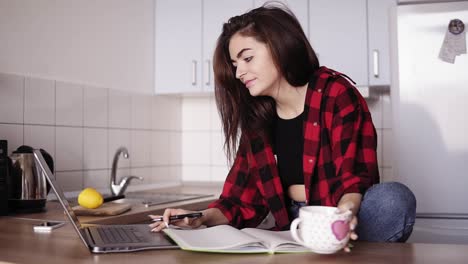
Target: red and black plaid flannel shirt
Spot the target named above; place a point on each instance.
(339, 157)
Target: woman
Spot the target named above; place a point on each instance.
(273, 96)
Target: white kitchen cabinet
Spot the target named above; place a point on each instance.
(338, 34)
(378, 14)
(300, 8)
(185, 37)
(215, 14)
(353, 37)
(349, 36)
(178, 44)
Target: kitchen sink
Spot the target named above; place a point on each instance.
(151, 199)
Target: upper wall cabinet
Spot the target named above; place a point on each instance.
(298, 7)
(185, 39)
(353, 37)
(349, 36)
(178, 43)
(215, 14)
(338, 34)
(378, 14)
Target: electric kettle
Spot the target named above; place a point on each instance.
(28, 187)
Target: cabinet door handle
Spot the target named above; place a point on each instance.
(207, 72)
(375, 56)
(194, 72)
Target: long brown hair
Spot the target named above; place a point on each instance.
(292, 54)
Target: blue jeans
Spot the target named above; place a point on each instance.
(387, 213)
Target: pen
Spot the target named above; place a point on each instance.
(181, 216)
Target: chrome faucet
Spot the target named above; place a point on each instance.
(118, 189)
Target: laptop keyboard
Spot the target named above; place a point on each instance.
(113, 235)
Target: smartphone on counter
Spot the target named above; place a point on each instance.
(47, 226)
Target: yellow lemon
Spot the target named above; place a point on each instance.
(90, 198)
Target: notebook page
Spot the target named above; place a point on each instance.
(276, 240)
(220, 237)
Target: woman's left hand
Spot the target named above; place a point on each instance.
(353, 206)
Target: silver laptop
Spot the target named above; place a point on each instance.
(107, 238)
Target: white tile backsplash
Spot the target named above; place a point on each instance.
(196, 113)
(196, 173)
(175, 172)
(161, 174)
(141, 141)
(167, 113)
(14, 135)
(69, 104)
(11, 98)
(387, 175)
(95, 107)
(219, 173)
(160, 148)
(39, 101)
(95, 148)
(387, 139)
(82, 127)
(96, 179)
(218, 156)
(387, 111)
(69, 148)
(215, 119)
(141, 112)
(196, 150)
(120, 107)
(40, 137)
(70, 180)
(375, 107)
(175, 148)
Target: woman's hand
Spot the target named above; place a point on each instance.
(186, 222)
(351, 202)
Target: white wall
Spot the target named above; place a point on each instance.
(103, 43)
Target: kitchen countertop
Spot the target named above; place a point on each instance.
(20, 244)
(138, 213)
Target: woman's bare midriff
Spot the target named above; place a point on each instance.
(297, 192)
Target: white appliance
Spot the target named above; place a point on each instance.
(430, 120)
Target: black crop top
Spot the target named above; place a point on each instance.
(289, 144)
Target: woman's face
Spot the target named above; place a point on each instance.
(254, 65)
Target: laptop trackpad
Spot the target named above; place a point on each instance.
(138, 235)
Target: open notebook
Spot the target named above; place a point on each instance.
(227, 239)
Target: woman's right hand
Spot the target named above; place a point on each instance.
(186, 222)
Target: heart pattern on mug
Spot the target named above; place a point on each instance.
(340, 229)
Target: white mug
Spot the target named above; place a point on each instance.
(322, 229)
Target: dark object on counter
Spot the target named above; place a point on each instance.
(28, 187)
(113, 198)
(5, 164)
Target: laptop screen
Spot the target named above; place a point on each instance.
(59, 193)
